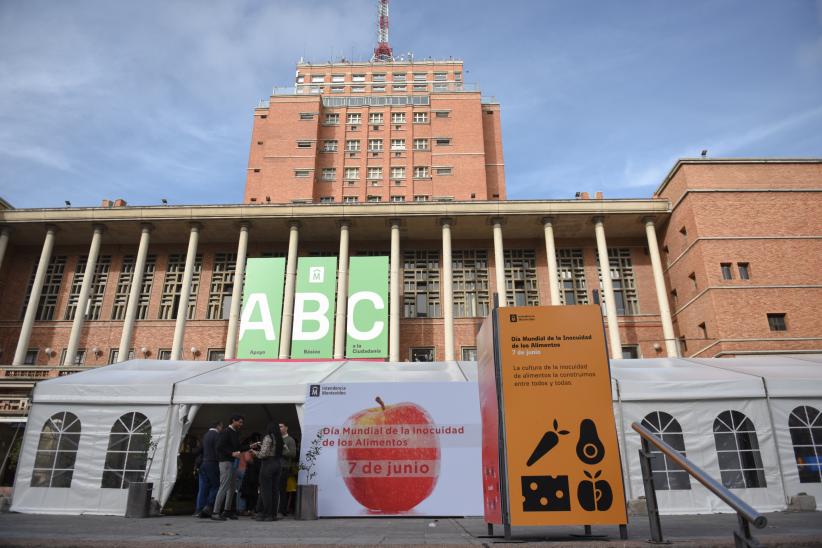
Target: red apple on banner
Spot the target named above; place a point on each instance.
(389, 456)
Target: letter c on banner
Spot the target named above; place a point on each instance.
(378, 326)
(301, 316)
(265, 323)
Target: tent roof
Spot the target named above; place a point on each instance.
(794, 376)
(197, 382)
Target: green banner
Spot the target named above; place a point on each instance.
(262, 308)
(313, 331)
(367, 324)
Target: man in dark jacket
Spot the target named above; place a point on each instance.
(228, 449)
(209, 473)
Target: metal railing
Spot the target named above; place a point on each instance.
(746, 515)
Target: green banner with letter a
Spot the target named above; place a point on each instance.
(367, 313)
(262, 308)
(314, 303)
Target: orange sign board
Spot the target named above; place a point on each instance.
(562, 461)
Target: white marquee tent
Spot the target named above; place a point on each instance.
(75, 414)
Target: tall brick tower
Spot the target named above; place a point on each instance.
(383, 130)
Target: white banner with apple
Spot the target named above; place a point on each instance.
(395, 448)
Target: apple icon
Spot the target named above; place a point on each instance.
(389, 456)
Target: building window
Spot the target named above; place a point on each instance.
(306, 116)
(420, 87)
(222, 286)
(51, 289)
(737, 447)
(352, 145)
(358, 77)
(375, 145)
(127, 454)
(375, 118)
(420, 144)
(124, 281)
(419, 76)
(805, 425)
(216, 354)
(300, 79)
(114, 355)
(337, 78)
(692, 277)
(329, 173)
(173, 284)
(332, 119)
(744, 271)
(423, 354)
(421, 197)
(421, 284)
(378, 77)
(521, 277)
(399, 87)
(353, 118)
(357, 89)
(397, 117)
(326, 199)
(621, 271)
(164, 354)
(352, 173)
(399, 77)
(79, 357)
(571, 273)
(374, 173)
(398, 173)
(397, 198)
(470, 283)
(442, 141)
(458, 76)
(703, 331)
(444, 171)
(302, 173)
(397, 144)
(727, 274)
(350, 199)
(57, 451)
(469, 353)
(317, 78)
(440, 76)
(94, 304)
(303, 144)
(667, 475)
(442, 113)
(630, 352)
(776, 322)
(330, 145)
(31, 356)
(420, 117)
(421, 172)
(373, 199)
(337, 89)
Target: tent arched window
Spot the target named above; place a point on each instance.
(667, 475)
(127, 454)
(57, 451)
(737, 447)
(805, 425)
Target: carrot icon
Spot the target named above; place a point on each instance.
(548, 441)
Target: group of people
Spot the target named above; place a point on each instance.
(225, 459)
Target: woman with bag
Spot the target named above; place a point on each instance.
(270, 454)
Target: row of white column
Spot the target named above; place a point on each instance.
(342, 288)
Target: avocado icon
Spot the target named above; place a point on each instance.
(589, 448)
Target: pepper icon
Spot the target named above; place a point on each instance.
(548, 441)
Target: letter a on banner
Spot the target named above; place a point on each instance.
(313, 331)
(262, 308)
(367, 317)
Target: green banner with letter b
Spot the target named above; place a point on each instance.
(262, 308)
(367, 313)
(314, 304)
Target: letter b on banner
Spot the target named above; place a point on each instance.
(312, 333)
(367, 316)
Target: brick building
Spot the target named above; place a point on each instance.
(723, 259)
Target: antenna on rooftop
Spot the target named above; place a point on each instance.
(383, 51)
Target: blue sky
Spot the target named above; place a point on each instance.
(154, 99)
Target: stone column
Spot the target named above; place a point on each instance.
(608, 288)
(237, 294)
(551, 253)
(4, 243)
(342, 292)
(34, 298)
(290, 288)
(661, 293)
(82, 299)
(134, 293)
(185, 292)
(394, 298)
(447, 289)
(499, 260)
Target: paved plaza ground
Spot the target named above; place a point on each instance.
(784, 529)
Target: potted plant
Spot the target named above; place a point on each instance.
(138, 504)
(306, 490)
